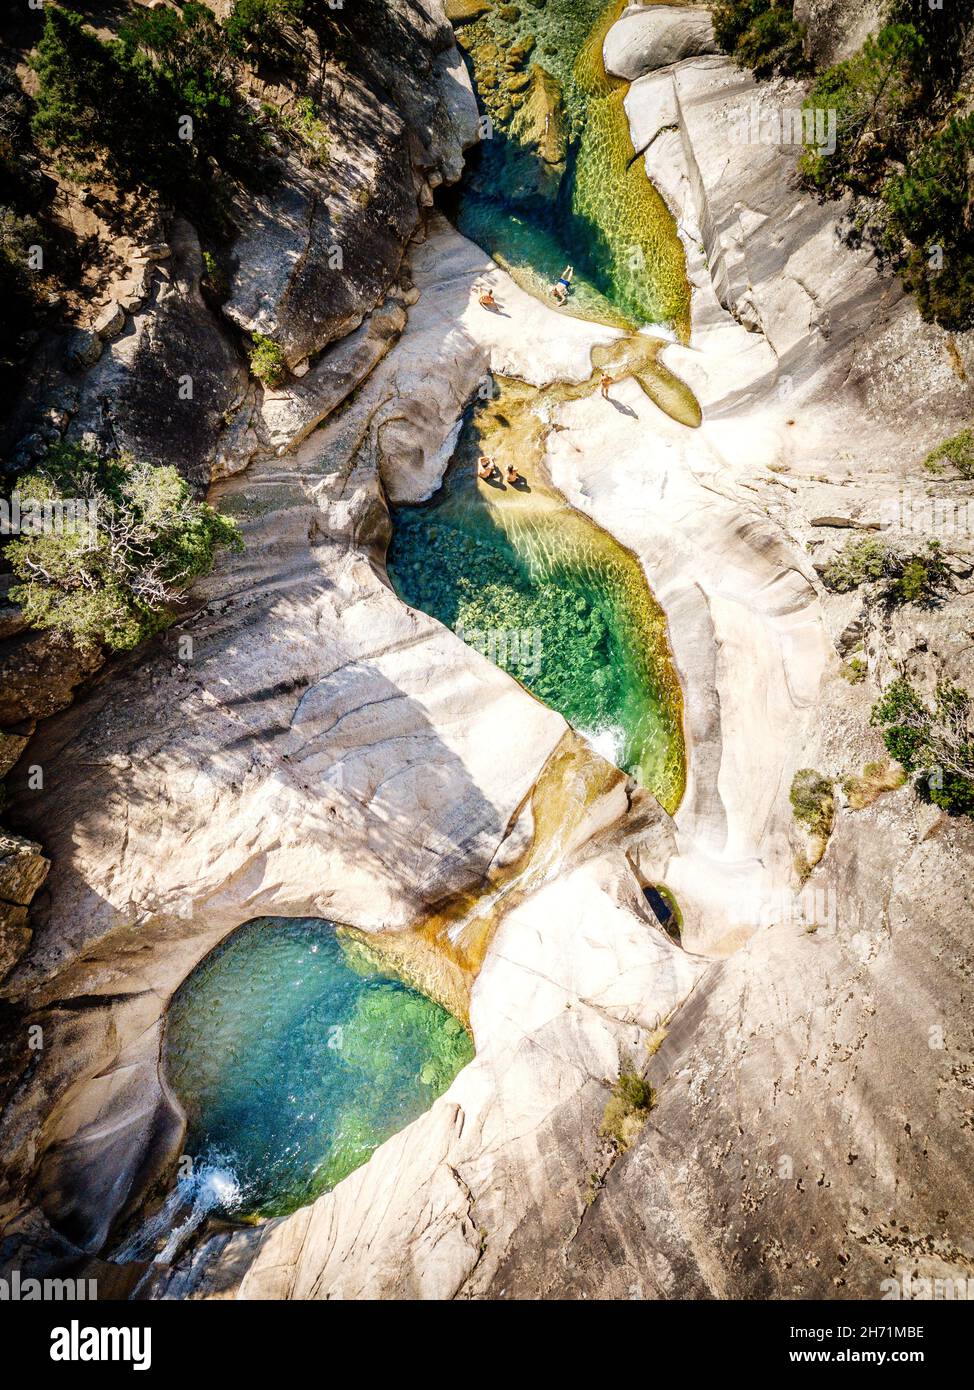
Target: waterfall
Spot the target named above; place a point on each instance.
(211, 1185)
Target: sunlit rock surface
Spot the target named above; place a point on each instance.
(648, 37)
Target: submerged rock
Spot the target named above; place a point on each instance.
(82, 348)
(465, 11)
(540, 132)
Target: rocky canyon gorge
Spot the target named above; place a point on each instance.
(585, 767)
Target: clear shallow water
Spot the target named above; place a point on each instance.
(294, 1056)
(542, 591)
(558, 180)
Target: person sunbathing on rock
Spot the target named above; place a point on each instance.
(485, 466)
(487, 300)
(513, 476)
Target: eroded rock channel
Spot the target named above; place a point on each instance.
(545, 593)
(333, 753)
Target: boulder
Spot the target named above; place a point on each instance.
(82, 348)
(109, 322)
(645, 39)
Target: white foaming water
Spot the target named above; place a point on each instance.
(660, 330)
(609, 742)
(211, 1185)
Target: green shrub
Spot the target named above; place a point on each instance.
(856, 562)
(927, 224)
(916, 577)
(812, 801)
(762, 35)
(257, 27)
(900, 145)
(89, 104)
(872, 94)
(931, 195)
(919, 580)
(214, 278)
(111, 580)
(937, 743)
(773, 44)
(303, 121)
(312, 129)
(267, 360)
(627, 1108)
(946, 295)
(120, 106)
(854, 670)
(942, 30)
(957, 451)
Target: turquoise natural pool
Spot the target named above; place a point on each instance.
(542, 591)
(294, 1055)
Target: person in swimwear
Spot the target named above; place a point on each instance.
(485, 467)
(559, 292)
(513, 476)
(487, 300)
(605, 383)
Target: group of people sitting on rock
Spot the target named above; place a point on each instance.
(487, 469)
(559, 292)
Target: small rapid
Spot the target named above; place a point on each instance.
(210, 1186)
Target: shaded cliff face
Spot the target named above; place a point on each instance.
(370, 111)
(143, 346)
(836, 28)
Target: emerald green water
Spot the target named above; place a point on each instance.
(295, 1055)
(544, 593)
(558, 179)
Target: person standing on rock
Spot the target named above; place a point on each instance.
(605, 383)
